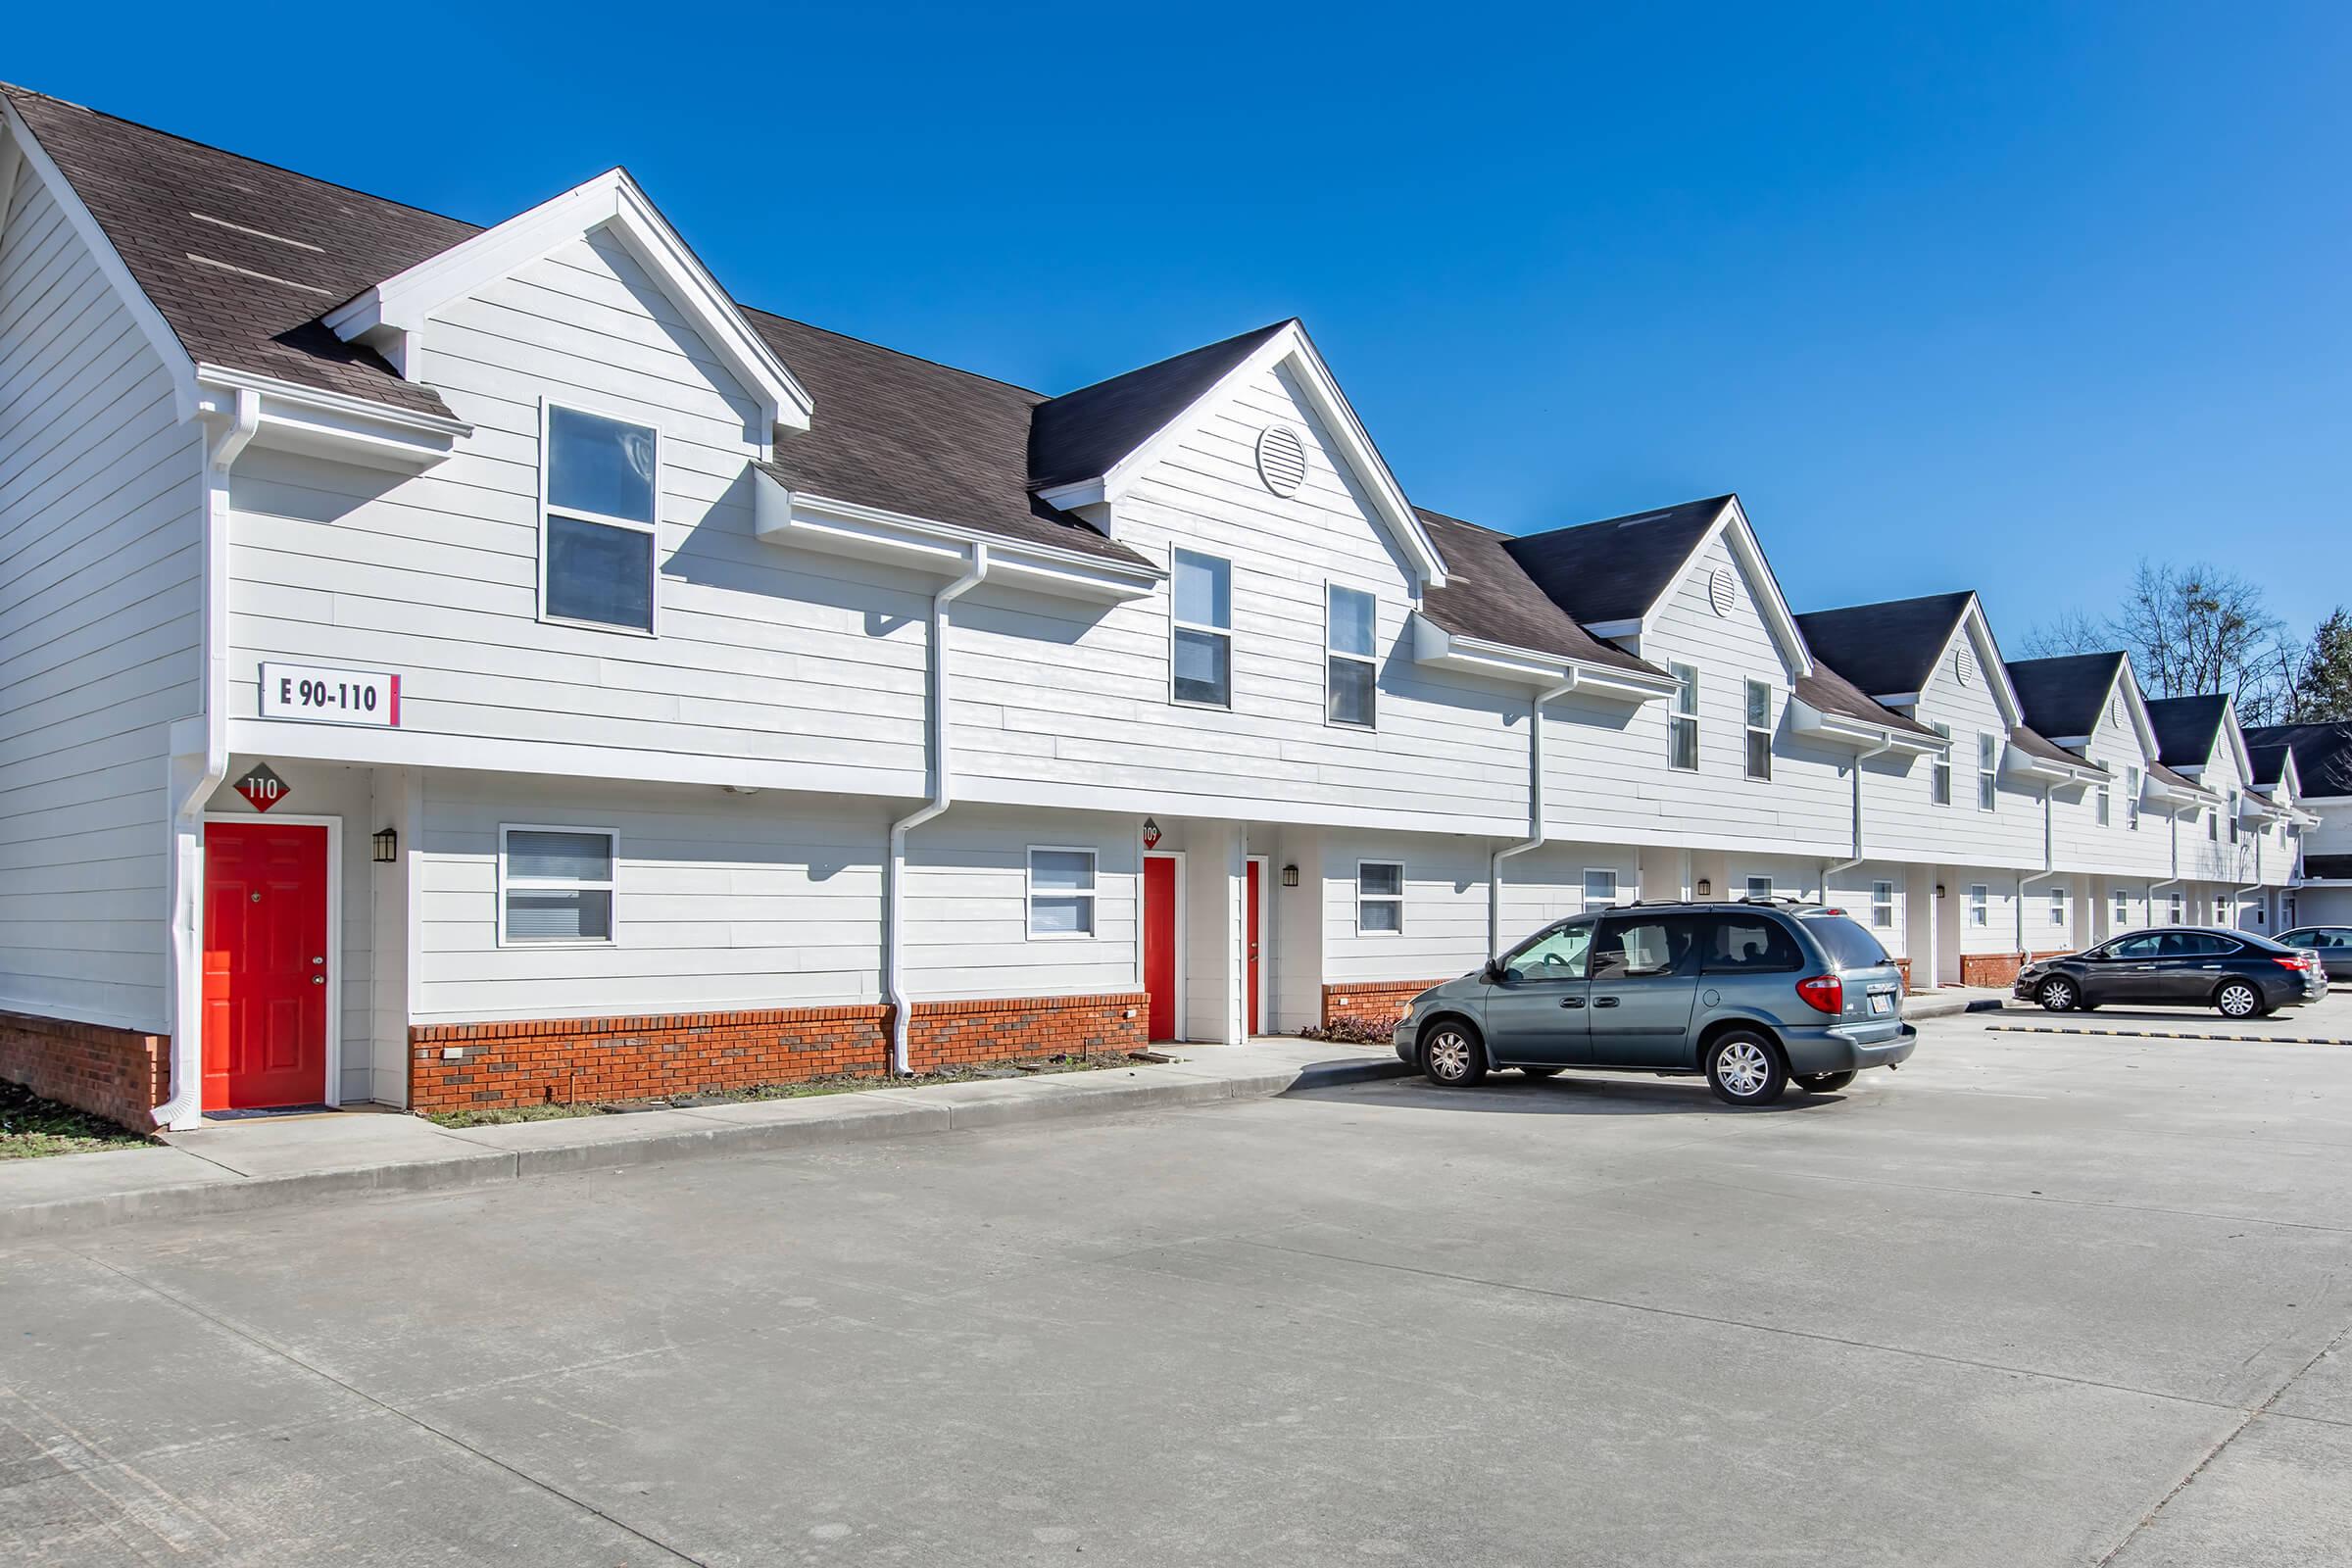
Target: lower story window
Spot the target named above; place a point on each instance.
(1379, 898)
(2122, 908)
(2176, 910)
(2057, 907)
(555, 885)
(1600, 889)
(1759, 887)
(1979, 904)
(1881, 905)
(1062, 893)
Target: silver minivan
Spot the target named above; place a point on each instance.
(1751, 994)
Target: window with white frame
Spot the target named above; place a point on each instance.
(596, 551)
(2213, 823)
(2176, 908)
(1062, 892)
(2105, 807)
(1940, 770)
(1200, 655)
(1379, 898)
(1600, 889)
(2132, 799)
(1351, 625)
(1759, 887)
(1881, 905)
(555, 886)
(2057, 906)
(2234, 816)
(2123, 911)
(1989, 772)
(1759, 730)
(1681, 720)
(1979, 904)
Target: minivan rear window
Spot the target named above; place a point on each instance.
(1850, 946)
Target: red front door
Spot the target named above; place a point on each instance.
(1249, 944)
(266, 980)
(1159, 943)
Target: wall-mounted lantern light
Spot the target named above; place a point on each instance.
(387, 847)
(1290, 876)
(1705, 886)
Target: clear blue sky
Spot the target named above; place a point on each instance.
(2005, 299)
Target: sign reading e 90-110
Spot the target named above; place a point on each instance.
(330, 696)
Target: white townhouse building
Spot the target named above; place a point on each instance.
(2309, 766)
(444, 665)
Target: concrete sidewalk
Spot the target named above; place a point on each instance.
(237, 1166)
(1951, 1001)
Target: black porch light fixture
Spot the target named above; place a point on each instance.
(387, 847)
(1290, 876)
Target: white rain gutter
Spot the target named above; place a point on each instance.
(1535, 811)
(894, 921)
(1827, 871)
(2049, 868)
(224, 441)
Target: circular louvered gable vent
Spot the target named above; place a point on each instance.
(1281, 459)
(1721, 591)
(1964, 665)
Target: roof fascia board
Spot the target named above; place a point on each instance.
(2129, 677)
(1323, 394)
(1748, 551)
(178, 364)
(871, 533)
(1434, 645)
(1847, 730)
(392, 316)
(1974, 625)
(332, 425)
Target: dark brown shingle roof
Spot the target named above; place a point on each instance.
(2186, 727)
(1616, 569)
(1083, 434)
(2323, 754)
(1487, 596)
(1886, 649)
(2065, 696)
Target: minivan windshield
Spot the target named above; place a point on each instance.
(1849, 945)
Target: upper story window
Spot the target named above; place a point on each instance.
(2213, 823)
(1379, 898)
(1989, 772)
(555, 886)
(1759, 730)
(1201, 658)
(2105, 808)
(1681, 720)
(1062, 893)
(2234, 816)
(2132, 799)
(1351, 630)
(596, 556)
(1940, 770)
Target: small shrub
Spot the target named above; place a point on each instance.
(1353, 1031)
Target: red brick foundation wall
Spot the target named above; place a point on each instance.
(1904, 964)
(1377, 1003)
(566, 1061)
(1998, 968)
(120, 1074)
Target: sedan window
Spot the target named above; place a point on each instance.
(2144, 947)
(1555, 955)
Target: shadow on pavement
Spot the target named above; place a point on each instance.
(1571, 1094)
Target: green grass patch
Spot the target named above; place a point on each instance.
(1032, 1067)
(33, 1128)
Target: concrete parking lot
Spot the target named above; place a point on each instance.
(2034, 1299)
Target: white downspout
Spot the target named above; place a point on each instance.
(2173, 817)
(1534, 811)
(894, 918)
(1829, 871)
(224, 441)
(2049, 868)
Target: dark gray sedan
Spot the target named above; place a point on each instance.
(2237, 973)
(2332, 942)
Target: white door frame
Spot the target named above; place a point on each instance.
(1265, 943)
(333, 1095)
(1184, 978)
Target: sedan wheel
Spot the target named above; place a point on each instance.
(2058, 995)
(2238, 1000)
(1745, 1070)
(1452, 1057)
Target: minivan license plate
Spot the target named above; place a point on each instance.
(1880, 1001)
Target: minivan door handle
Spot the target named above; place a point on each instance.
(1572, 1001)
(1604, 1001)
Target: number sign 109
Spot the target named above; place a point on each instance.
(319, 695)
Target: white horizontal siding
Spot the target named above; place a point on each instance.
(98, 541)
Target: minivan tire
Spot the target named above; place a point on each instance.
(1452, 1056)
(2058, 994)
(1744, 1068)
(2239, 999)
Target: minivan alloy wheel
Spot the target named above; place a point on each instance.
(1452, 1055)
(1746, 1068)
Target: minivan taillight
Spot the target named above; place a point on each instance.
(1824, 993)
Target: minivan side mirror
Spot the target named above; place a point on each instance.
(1491, 972)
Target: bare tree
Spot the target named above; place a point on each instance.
(2191, 629)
